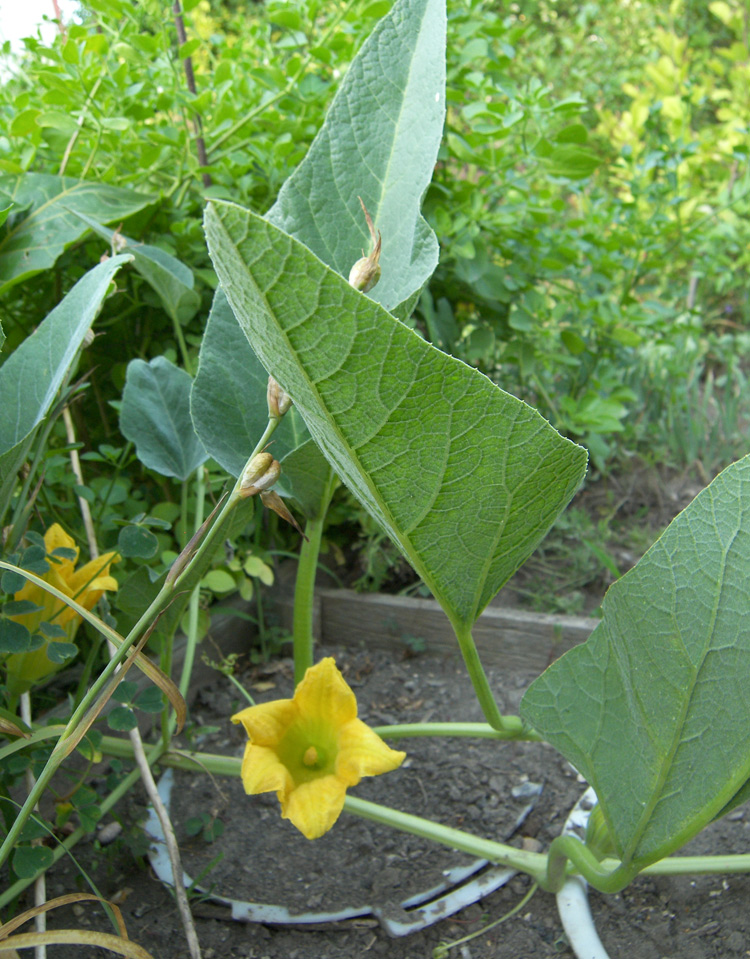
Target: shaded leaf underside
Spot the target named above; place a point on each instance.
(465, 478)
(654, 710)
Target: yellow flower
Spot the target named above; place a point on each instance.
(85, 585)
(311, 748)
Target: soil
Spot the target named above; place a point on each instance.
(515, 792)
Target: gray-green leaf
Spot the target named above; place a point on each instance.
(172, 281)
(155, 415)
(654, 709)
(34, 242)
(137, 542)
(379, 142)
(465, 478)
(229, 410)
(31, 376)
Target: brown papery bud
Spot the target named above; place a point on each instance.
(260, 473)
(366, 272)
(279, 400)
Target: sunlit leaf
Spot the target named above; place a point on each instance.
(654, 708)
(379, 142)
(34, 242)
(31, 376)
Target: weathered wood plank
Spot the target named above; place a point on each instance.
(509, 638)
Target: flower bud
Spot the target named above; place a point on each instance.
(365, 273)
(260, 473)
(279, 400)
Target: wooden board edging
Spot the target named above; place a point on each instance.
(510, 638)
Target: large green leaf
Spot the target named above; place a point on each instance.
(32, 243)
(31, 376)
(465, 478)
(155, 415)
(172, 281)
(654, 708)
(379, 142)
(229, 410)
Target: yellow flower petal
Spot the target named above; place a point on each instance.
(267, 723)
(263, 773)
(323, 695)
(57, 538)
(85, 585)
(310, 748)
(93, 576)
(315, 806)
(363, 753)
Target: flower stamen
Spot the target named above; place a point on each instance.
(311, 756)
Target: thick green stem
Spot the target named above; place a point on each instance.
(566, 849)
(513, 728)
(478, 677)
(304, 587)
(193, 608)
(533, 863)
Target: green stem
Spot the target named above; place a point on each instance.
(566, 849)
(513, 728)
(304, 586)
(193, 609)
(184, 353)
(16, 524)
(696, 865)
(533, 863)
(9, 894)
(160, 603)
(37, 736)
(478, 678)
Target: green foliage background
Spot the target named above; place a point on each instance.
(590, 199)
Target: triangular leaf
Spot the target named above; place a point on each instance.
(465, 478)
(379, 142)
(654, 709)
(155, 415)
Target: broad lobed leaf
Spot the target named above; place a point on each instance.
(654, 709)
(465, 478)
